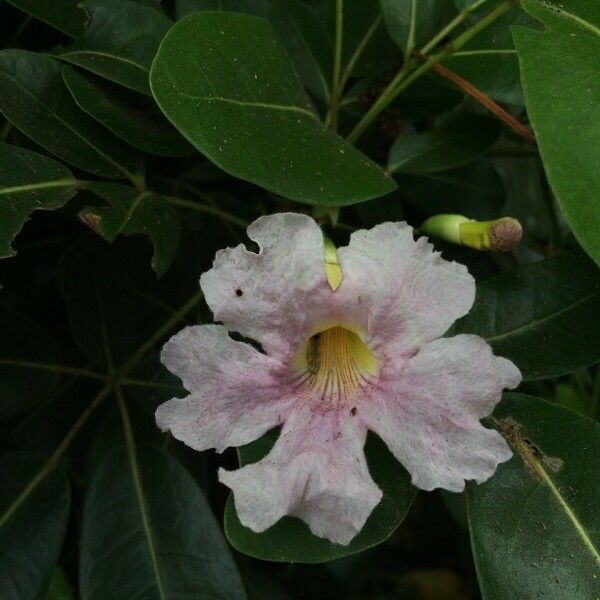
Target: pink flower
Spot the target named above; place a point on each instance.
(336, 364)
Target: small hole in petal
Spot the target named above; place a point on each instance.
(353, 411)
(239, 292)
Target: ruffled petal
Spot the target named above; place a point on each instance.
(407, 293)
(268, 296)
(429, 416)
(237, 393)
(316, 471)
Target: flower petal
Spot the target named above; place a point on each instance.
(316, 471)
(267, 296)
(410, 293)
(429, 416)
(236, 392)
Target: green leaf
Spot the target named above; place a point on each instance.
(28, 182)
(559, 70)
(23, 344)
(68, 16)
(291, 540)
(102, 307)
(130, 116)
(453, 142)
(32, 531)
(119, 42)
(542, 316)
(474, 190)
(249, 114)
(535, 526)
(34, 98)
(411, 23)
(148, 532)
(132, 213)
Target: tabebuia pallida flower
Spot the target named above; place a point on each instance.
(337, 360)
(501, 234)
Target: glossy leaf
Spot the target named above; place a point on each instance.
(24, 344)
(119, 42)
(28, 182)
(34, 98)
(68, 16)
(559, 69)
(474, 190)
(132, 117)
(291, 540)
(102, 308)
(542, 316)
(453, 142)
(249, 114)
(412, 23)
(535, 526)
(32, 530)
(132, 212)
(149, 533)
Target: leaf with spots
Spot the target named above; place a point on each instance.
(535, 526)
(225, 81)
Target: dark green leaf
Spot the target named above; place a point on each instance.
(542, 316)
(119, 42)
(453, 142)
(249, 114)
(535, 525)
(132, 117)
(34, 98)
(149, 533)
(559, 69)
(474, 190)
(102, 308)
(23, 343)
(132, 213)
(291, 540)
(59, 588)
(68, 16)
(32, 529)
(411, 23)
(28, 181)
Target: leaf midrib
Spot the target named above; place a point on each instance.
(38, 186)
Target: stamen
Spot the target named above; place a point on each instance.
(337, 364)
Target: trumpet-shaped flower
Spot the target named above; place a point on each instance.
(334, 364)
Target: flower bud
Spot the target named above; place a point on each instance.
(500, 234)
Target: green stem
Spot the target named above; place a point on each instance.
(128, 381)
(357, 54)
(331, 118)
(85, 415)
(448, 29)
(209, 210)
(28, 364)
(408, 74)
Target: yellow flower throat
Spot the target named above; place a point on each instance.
(337, 363)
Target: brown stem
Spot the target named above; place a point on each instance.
(484, 100)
